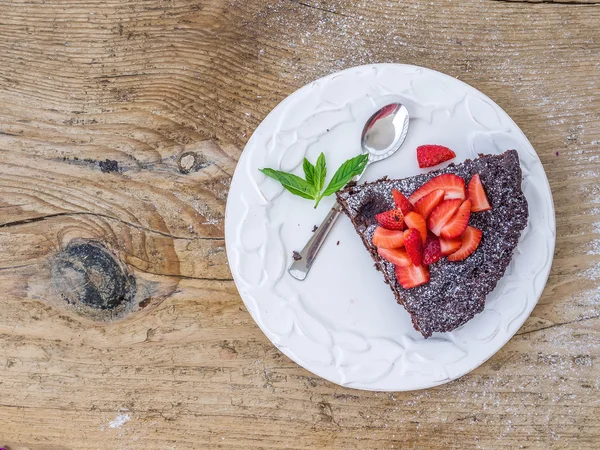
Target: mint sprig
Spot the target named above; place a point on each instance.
(312, 186)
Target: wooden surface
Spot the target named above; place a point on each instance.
(99, 101)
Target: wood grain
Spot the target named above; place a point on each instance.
(100, 101)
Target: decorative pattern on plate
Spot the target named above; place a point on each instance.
(342, 323)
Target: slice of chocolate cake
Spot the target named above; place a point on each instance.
(456, 290)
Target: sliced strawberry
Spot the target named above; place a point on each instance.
(432, 155)
(384, 238)
(397, 256)
(470, 241)
(449, 246)
(414, 246)
(442, 214)
(412, 276)
(476, 194)
(416, 221)
(427, 203)
(392, 219)
(457, 225)
(432, 251)
(452, 185)
(402, 202)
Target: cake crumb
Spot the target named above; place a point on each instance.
(296, 256)
(338, 243)
(315, 228)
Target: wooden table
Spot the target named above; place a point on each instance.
(120, 126)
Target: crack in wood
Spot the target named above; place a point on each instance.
(20, 266)
(122, 75)
(318, 8)
(553, 2)
(558, 325)
(183, 277)
(106, 216)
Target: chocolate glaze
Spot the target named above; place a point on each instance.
(456, 291)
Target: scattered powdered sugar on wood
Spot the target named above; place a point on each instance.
(118, 421)
(322, 26)
(590, 195)
(594, 247)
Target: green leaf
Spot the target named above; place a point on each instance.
(299, 193)
(309, 173)
(292, 183)
(320, 173)
(347, 171)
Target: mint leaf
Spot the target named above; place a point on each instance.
(292, 183)
(315, 177)
(320, 173)
(309, 174)
(347, 171)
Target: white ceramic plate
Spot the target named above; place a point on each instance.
(343, 323)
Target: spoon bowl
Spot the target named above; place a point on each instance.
(385, 132)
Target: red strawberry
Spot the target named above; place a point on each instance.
(402, 202)
(432, 155)
(442, 214)
(392, 219)
(414, 246)
(412, 276)
(476, 194)
(388, 238)
(432, 251)
(397, 256)
(452, 185)
(470, 241)
(426, 204)
(457, 225)
(449, 246)
(416, 221)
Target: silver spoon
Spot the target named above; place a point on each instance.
(382, 136)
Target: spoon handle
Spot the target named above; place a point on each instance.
(301, 265)
(303, 261)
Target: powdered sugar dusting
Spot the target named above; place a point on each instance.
(315, 24)
(594, 246)
(589, 191)
(119, 421)
(592, 273)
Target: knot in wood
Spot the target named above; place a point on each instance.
(87, 272)
(191, 162)
(108, 166)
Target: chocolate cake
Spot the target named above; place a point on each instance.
(456, 291)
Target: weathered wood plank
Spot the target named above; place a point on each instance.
(99, 102)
